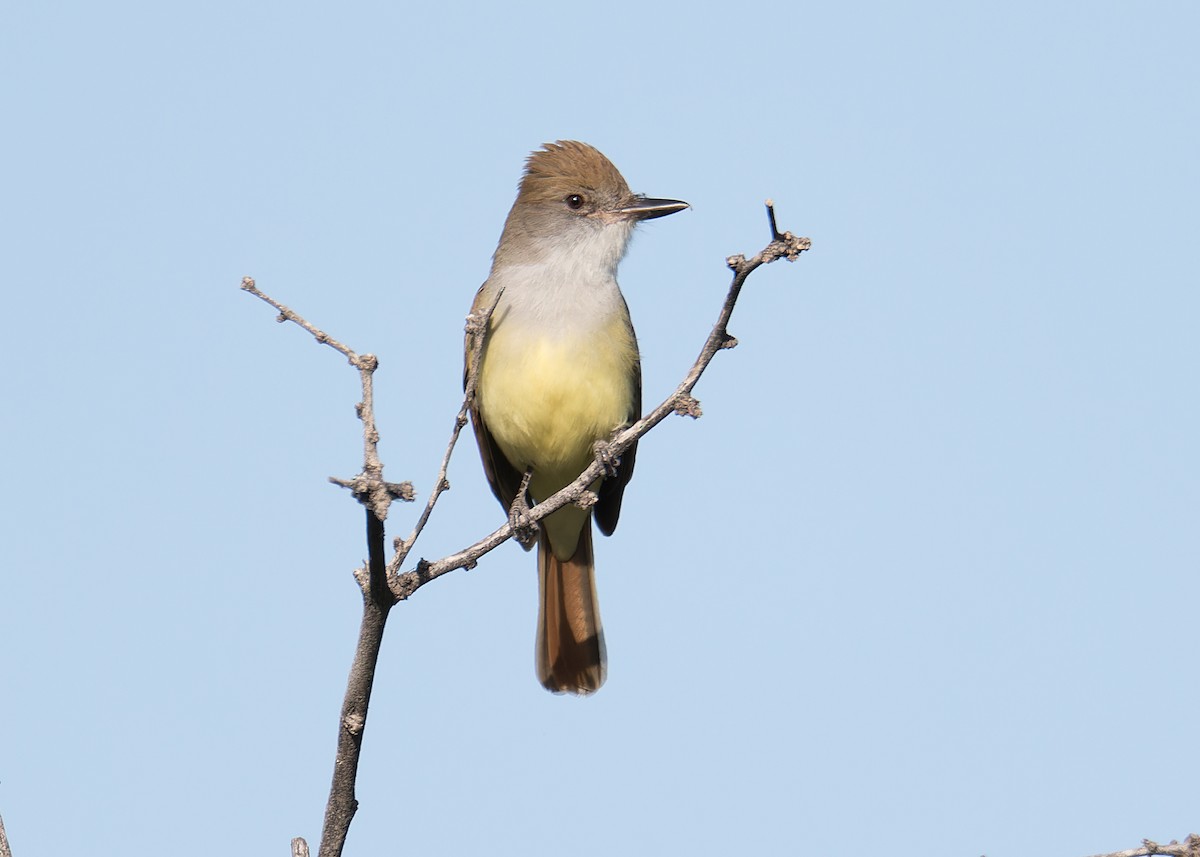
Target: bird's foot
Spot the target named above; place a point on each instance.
(525, 530)
(607, 458)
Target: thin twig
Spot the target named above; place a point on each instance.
(775, 236)
(1190, 847)
(5, 851)
(477, 325)
(285, 314)
(369, 486)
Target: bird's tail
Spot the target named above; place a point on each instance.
(570, 639)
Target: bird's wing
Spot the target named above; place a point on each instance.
(608, 504)
(501, 475)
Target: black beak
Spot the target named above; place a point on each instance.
(642, 208)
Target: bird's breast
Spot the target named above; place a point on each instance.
(548, 395)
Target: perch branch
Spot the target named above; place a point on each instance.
(1190, 847)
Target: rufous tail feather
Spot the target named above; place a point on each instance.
(570, 639)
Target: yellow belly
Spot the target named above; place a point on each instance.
(546, 401)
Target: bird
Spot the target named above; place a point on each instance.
(560, 370)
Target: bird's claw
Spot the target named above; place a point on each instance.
(607, 458)
(525, 529)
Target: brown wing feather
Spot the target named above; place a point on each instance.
(501, 475)
(504, 479)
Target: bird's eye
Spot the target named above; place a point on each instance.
(574, 201)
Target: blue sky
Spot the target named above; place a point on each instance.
(923, 572)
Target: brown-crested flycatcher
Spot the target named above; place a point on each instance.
(560, 372)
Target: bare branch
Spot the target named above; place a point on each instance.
(377, 603)
(5, 851)
(285, 314)
(368, 487)
(299, 847)
(360, 486)
(1190, 847)
(376, 495)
